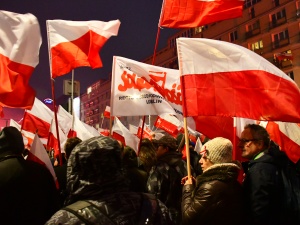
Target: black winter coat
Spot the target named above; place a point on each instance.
(216, 199)
(27, 192)
(262, 191)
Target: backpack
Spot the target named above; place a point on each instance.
(289, 177)
(148, 212)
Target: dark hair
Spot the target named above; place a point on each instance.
(259, 133)
(147, 154)
(70, 145)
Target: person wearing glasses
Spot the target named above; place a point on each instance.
(261, 182)
(214, 197)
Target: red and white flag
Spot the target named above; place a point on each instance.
(143, 89)
(77, 43)
(38, 119)
(168, 123)
(121, 133)
(53, 140)
(19, 54)
(287, 136)
(195, 13)
(106, 113)
(39, 154)
(237, 83)
(147, 133)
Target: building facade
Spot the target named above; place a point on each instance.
(94, 102)
(271, 28)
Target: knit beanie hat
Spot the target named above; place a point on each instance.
(218, 150)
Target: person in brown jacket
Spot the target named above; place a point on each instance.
(215, 196)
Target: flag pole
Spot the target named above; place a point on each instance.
(141, 137)
(234, 139)
(187, 145)
(53, 96)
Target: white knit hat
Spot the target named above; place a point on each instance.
(218, 150)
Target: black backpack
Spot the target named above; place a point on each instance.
(289, 174)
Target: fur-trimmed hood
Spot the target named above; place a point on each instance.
(222, 171)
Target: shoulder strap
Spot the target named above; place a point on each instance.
(73, 208)
(79, 205)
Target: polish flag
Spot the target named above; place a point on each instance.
(77, 43)
(195, 13)
(20, 40)
(238, 83)
(106, 113)
(121, 133)
(39, 154)
(147, 133)
(53, 140)
(168, 123)
(38, 119)
(286, 135)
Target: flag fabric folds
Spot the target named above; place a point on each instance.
(39, 154)
(237, 83)
(121, 133)
(143, 89)
(195, 13)
(20, 41)
(75, 44)
(286, 135)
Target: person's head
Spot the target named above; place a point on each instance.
(216, 151)
(70, 145)
(11, 141)
(94, 167)
(254, 139)
(165, 144)
(147, 154)
(129, 157)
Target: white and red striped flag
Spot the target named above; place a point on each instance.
(20, 39)
(287, 136)
(238, 83)
(168, 123)
(38, 119)
(121, 133)
(147, 133)
(195, 13)
(39, 154)
(106, 112)
(77, 43)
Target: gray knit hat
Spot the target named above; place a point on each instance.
(218, 150)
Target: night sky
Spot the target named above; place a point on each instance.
(136, 38)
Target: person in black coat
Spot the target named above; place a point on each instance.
(215, 196)
(27, 190)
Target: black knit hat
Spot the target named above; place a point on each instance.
(11, 140)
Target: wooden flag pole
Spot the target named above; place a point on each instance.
(187, 145)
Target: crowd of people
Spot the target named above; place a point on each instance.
(101, 181)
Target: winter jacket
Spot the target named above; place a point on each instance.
(95, 176)
(262, 191)
(165, 181)
(216, 199)
(27, 192)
